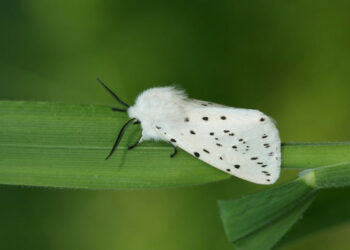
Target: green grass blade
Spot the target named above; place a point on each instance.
(312, 155)
(267, 237)
(259, 220)
(337, 175)
(332, 205)
(61, 145)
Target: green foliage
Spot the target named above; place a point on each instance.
(60, 145)
(258, 221)
(330, 208)
(312, 155)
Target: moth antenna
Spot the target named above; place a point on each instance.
(113, 94)
(120, 135)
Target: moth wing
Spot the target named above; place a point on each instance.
(242, 142)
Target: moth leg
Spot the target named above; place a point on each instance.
(137, 143)
(119, 110)
(175, 151)
(120, 135)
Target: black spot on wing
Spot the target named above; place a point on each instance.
(172, 140)
(254, 158)
(192, 132)
(223, 117)
(206, 151)
(205, 118)
(262, 119)
(196, 154)
(211, 133)
(218, 144)
(266, 173)
(187, 119)
(237, 166)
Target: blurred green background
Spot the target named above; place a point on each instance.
(289, 59)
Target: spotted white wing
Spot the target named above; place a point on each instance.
(241, 142)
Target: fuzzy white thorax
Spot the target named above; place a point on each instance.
(156, 106)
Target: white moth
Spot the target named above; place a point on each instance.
(242, 142)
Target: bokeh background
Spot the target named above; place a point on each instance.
(290, 59)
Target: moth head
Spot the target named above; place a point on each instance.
(156, 104)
